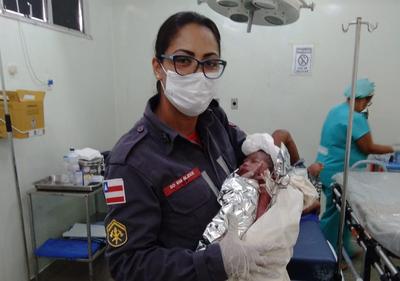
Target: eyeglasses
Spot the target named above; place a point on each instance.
(184, 65)
(369, 101)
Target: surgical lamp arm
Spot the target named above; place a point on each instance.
(305, 5)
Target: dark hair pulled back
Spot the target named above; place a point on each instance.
(170, 28)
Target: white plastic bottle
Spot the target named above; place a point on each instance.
(65, 176)
(75, 174)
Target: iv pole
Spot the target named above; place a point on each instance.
(11, 141)
(371, 28)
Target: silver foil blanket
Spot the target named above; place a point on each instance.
(239, 197)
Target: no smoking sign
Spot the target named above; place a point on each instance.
(302, 57)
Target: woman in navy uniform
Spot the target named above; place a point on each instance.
(164, 174)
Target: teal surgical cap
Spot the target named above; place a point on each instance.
(364, 88)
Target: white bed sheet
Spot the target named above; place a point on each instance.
(375, 200)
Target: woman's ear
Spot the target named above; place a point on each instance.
(156, 68)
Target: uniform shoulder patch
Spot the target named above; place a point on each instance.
(126, 144)
(117, 234)
(114, 191)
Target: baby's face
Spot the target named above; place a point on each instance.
(255, 164)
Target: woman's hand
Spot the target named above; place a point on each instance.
(315, 168)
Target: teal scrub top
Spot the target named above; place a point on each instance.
(331, 152)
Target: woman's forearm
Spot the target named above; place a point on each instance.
(367, 146)
(380, 149)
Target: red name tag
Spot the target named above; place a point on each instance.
(181, 182)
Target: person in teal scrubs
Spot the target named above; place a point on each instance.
(331, 152)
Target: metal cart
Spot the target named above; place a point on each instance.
(48, 188)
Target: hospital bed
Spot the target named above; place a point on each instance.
(373, 215)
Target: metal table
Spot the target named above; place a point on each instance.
(86, 196)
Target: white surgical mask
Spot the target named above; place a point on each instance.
(190, 94)
(365, 113)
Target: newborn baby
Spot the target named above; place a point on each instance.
(291, 193)
(248, 192)
(244, 195)
(255, 166)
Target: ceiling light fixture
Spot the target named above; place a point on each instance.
(259, 12)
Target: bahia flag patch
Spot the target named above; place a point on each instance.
(114, 191)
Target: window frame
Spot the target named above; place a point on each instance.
(22, 15)
(47, 22)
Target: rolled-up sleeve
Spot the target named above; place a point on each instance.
(141, 257)
(360, 126)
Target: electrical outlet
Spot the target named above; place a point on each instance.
(234, 103)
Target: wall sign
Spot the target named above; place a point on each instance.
(302, 59)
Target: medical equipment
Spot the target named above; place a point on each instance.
(373, 213)
(26, 112)
(383, 162)
(80, 250)
(371, 28)
(91, 169)
(395, 159)
(259, 12)
(55, 183)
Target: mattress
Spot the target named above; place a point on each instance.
(67, 248)
(313, 259)
(375, 200)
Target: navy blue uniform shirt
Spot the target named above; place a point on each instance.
(170, 186)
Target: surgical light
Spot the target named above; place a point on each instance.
(259, 12)
(265, 4)
(228, 3)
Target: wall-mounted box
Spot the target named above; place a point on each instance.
(26, 112)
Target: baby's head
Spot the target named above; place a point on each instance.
(256, 164)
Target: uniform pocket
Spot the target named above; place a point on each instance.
(190, 197)
(188, 211)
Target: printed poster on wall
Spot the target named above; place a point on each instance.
(302, 59)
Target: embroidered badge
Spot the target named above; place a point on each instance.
(181, 182)
(116, 234)
(114, 191)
